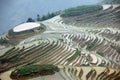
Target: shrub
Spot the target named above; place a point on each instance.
(91, 45)
(30, 20)
(38, 17)
(48, 16)
(80, 10)
(100, 53)
(76, 54)
(27, 70)
(11, 32)
(85, 65)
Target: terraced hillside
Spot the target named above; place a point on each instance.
(21, 32)
(92, 17)
(81, 53)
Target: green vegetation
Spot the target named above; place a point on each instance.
(77, 53)
(111, 1)
(3, 41)
(85, 65)
(11, 59)
(91, 45)
(100, 53)
(11, 32)
(30, 20)
(38, 18)
(35, 69)
(44, 17)
(80, 10)
(48, 16)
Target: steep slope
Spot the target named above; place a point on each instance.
(87, 52)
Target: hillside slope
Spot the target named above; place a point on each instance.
(83, 49)
(97, 18)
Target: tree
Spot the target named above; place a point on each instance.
(48, 16)
(38, 18)
(43, 18)
(30, 20)
(52, 15)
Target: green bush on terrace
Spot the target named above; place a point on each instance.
(76, 54)
(91, 45)
(100, 53)
(29, 69)
(80, 10)
(11, 32)
(85, 65)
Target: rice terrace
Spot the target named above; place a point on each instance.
(78, 43)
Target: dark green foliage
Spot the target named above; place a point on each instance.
(30, 69)
(48, 16)
(85, 65)
(11, 32)
(3, 41)
(100, 53)
(11, 59)
(76, 54)
(30, 20)
(38, 17)
(91, 45)
(111, 1)
(80, 10)
(44, 17)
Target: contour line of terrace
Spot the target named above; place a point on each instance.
(112, 6)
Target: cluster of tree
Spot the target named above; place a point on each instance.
(34, 70)
(80, 10)
(111, 1)
(44, 17)
(30, 20)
